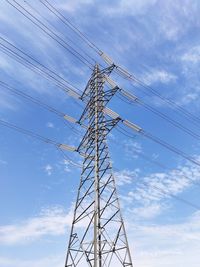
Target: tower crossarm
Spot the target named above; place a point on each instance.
(127, 123)
(103, 73)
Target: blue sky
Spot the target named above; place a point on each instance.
(156, 40)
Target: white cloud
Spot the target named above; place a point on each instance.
(126, 177)
(7, 101)
(192, 56)
(66, 164)
(148, 211)
(34, 42)
(132, 148)
(53, 221)
(168, 244)
(152, 245)
(51, 261)
(128, 7)
(3, 162)
(158, 76)
(72, 6)
(188, 98)
(50, 125)
(151, 193)
(173, 14)
(48, 169)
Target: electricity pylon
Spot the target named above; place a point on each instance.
(98, 236)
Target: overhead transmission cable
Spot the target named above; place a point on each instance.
(169, 102)
(162, 115)
(19, 52)
(30, 98)
(135, 99)
(122, 72)
(52, 75)
(67, 22)
(36, 136)
(148, 135)
(63, 115)
(68, 159)
(72, 120)
(38, 102)
(44, 70)
(37, 22)
(71, 149)
(168, 146)
(58, 32)
(164, 192)
(48, 140)
(147, 158)
(39, 71)
(34, 65)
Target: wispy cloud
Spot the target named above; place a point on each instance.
(7, 101)
(158, 76)
(51, 222)
(126, 177)
(73, 6)
(3, 162)
(56, 260)
(151, 195)
(132, 148)
(48, 169)
(167, 245)
(192, 56)
(129, 7)
(50, 125)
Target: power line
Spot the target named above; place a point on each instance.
(162, 115)
(68, 159)
(23, 55)
(30, 98)
(172, 196)
(65, 21)
(29, 133)
(58, 146)
(168, 146)
(153, 138)
(51, 109)
(164, 193)
(39, 103)
(149, 136)
(169, 101)
(40, 69)
(38, 136)
(161, 142)
(49, 32)
(119, 70)
(58, 32)
(165, 145)
(124, 132)
(147, 158)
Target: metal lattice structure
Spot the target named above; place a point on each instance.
(98, 236)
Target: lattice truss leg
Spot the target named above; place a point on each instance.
(98, 236)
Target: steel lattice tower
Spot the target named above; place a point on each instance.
(98, 236)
